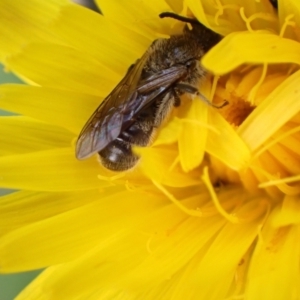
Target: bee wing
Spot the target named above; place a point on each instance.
(105, 123)
(148, 90)
(118, 110)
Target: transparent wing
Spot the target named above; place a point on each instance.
(118, 110)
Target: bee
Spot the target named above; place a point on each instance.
(129, 115)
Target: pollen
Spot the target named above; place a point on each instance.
(237, 111)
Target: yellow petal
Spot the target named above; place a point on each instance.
(162, 165)
(50, 170)
(20, 24)
(62, 67)
(95, 224)
(228, 16)
(289, 214)
(113, 45)
(169, 133)
(164, 261)
(198, 10)
(22, 134)
(226, 145)
(138, 15)
(206, 12)
(66, 109)
(193, 135)
(289, 16)
(45, 205)
(176, 5)
(242, 47)
(275, 263)
(211, 273)
(160, 229)
(278, 108)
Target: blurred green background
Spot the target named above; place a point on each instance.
(12, 284)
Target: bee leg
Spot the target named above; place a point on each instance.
(164, 109)
(181, 88)
(176, 95)
(187, 88)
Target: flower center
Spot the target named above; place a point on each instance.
(235, 89)
(237, 111)
(274, 165)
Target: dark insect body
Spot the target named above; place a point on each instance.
(143, 98)
(274, 3)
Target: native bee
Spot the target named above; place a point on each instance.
(143, 98)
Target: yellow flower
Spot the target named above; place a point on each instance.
(212, 210)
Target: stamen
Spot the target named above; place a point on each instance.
(264, 172)
(188, 211)
(111, 178)
(256, 207)
(206, 180)
(287, 23)
(260, 15)
(245, 19)
(130, 187)
(289, 190)
(254, 90)
(220, 9)
(280, 181)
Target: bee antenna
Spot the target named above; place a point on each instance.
(178, 17)
(211, 104)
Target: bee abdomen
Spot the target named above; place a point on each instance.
(138, 134)
(118, 156)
